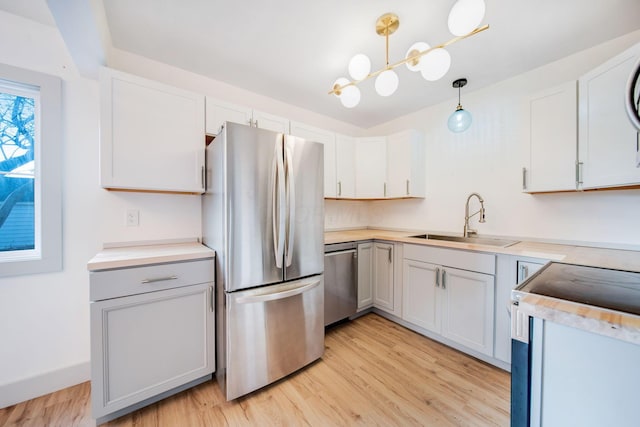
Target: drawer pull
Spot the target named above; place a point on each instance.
(159, 279)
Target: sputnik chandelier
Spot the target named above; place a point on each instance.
(432, 62)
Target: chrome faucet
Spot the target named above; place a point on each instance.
(468, 232)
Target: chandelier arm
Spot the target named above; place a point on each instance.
(410, 58)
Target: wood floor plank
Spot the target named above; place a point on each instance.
(373, 372)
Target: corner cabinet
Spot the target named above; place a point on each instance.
(383, 283)
(550, 163)
(152, 334)
(151, 135)
(608, 143)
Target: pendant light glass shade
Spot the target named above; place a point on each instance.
(387, 83)
(359, 66)
(459, 121)
(435, 64)
(465, 16)
(349, 95)
(416, 47)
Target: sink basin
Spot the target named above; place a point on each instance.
(503, 243)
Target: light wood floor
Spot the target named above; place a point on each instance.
(373, 372)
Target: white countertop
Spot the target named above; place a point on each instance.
(134, 256)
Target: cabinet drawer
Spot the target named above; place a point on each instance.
(137, 280)
(472, 261)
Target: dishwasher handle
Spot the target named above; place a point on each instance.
(348, 251)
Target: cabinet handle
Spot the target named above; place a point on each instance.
(390, 259)
(202, 176)
(255, 122)
(437, 277)
(211, 298)
(408, 192)
(524, 272)
(158, 279)
(579, 173)
(250, 122)
(524, 178)
(444, 278)
(385, 189)
(339, 188)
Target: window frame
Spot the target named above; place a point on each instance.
(47, 255)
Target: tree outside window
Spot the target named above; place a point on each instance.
(18, 124)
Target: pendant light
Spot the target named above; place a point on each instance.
(432, 62)
(459, 120)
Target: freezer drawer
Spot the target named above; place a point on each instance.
(272, 331)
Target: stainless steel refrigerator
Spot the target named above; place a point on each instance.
(263, 214)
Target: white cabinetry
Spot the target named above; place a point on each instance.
(371, 168)
(365, 275)
(551, 154)
(328, 139)
(346, 167)
(608, 143)
(219, 112)
(441, 295)
(405, 164)
(383, 283)
(152, 332)
(151, 135)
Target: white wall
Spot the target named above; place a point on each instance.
(44, 319)
(488, 159)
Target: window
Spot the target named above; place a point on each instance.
(30, 196)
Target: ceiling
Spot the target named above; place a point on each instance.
(294, 50)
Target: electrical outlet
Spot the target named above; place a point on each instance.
(133, 217)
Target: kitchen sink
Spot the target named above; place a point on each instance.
(503, 243)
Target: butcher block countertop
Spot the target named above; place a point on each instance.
(615, 324)
(596, 257)
(135, 256)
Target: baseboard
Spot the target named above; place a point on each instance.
(46, 383)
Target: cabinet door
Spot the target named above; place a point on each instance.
(526, 269)
(146, 344)
(346, 167)
(365, 275)
(551, 155)
(219, 112)
(268, 121)
(329, 140)
(371, 168)
(420, 296)
(608, 141)
(151, 135)
(383, 291)
(467, 309)
(405, 164)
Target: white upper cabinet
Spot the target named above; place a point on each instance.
(345, 167)
(371, 168)
(608, 142)
(550, 158)
(151, 135)
(405, 164)
(328, 139)
(219, 112)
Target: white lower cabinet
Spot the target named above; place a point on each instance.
(383, 283)
(446, 298)
(454, 303)
(147, 344)
(365, 275)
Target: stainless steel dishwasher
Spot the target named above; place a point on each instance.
(340, 281)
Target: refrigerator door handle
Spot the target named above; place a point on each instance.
(278, 205)
(291, 204)
(303, 287)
